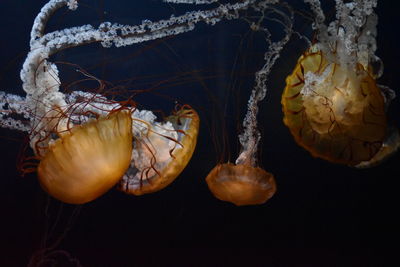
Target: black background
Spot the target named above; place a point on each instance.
(322, 215)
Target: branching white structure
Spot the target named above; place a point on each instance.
(250, 137)
(40, 77)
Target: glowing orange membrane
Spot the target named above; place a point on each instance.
(165, 164)
(341, 117)
(241, 184)
(88, 160)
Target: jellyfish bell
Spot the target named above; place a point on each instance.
(335, 112)
(332, 103)
(241, 184)
(161, 152)
(87, 160)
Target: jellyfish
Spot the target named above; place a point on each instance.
(332, 103)
(245, 182)
(160, 155)
(87, 143)
(105, 143)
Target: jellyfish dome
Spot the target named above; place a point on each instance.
(241, 184)
(332, 103)
(99, 151)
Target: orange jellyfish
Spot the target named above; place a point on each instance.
(87, 160)
(335, 112)
(241, 184)
(161, 152)
(331, 102)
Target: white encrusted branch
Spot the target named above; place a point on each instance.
(250, 137)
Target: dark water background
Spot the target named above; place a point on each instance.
(322, 215)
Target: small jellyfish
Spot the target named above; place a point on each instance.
(241, 184)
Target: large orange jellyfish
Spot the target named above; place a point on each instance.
(332, 103)
(338, 116)
(87, 160)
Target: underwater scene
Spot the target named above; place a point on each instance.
(198, 132)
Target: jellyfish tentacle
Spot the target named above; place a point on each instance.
(39, 24)
(40, 77)
(251, 136)
(245, 183)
